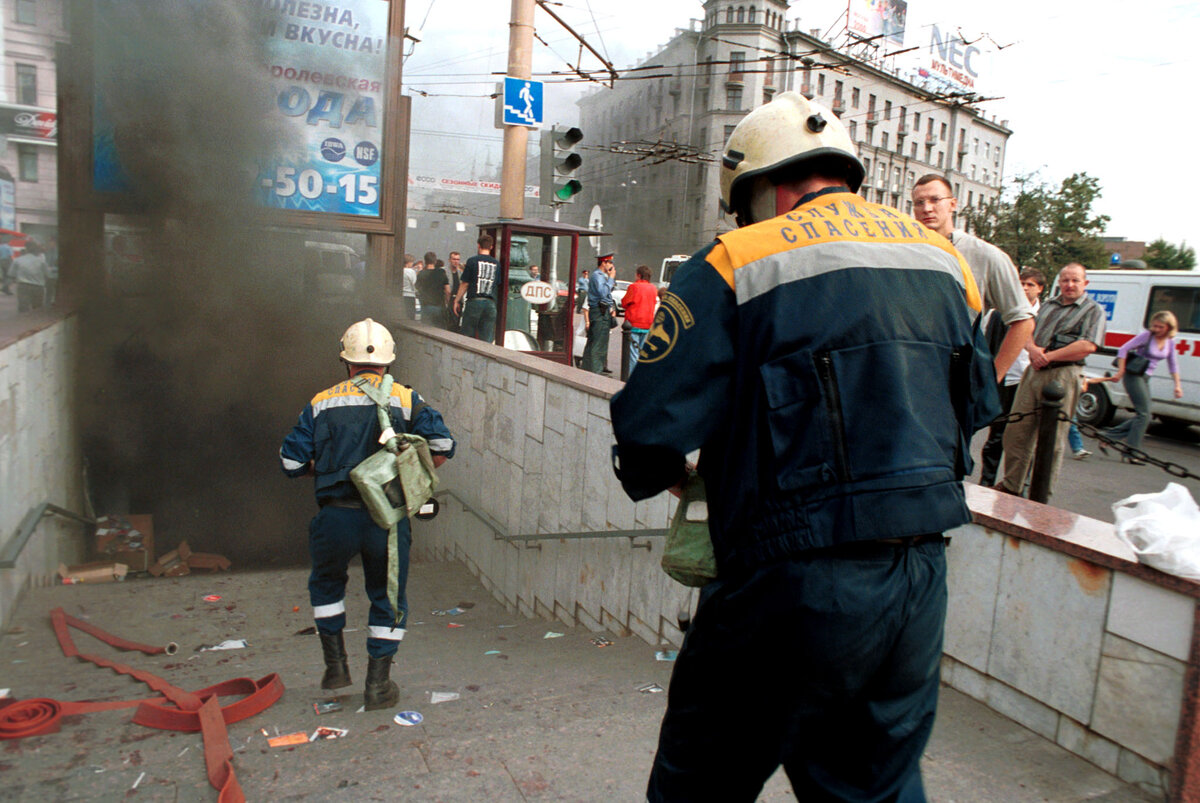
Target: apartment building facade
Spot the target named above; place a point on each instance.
(30, 30)
(654, 140)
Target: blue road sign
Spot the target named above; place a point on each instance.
(522, 102)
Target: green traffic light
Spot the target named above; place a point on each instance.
(568, 190)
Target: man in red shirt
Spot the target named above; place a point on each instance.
(639, 302)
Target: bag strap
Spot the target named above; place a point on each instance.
(382, 397)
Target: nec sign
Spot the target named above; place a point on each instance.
(955, 58)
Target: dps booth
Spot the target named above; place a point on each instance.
(537, 315)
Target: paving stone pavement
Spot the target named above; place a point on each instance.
(537, 719)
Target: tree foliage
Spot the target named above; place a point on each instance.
(1162, 255)
(1042, 226)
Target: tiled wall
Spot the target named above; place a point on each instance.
(40, 447)
(1089, 657)
(533, 454)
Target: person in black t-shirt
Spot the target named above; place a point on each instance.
(479, 279)
(433, 290)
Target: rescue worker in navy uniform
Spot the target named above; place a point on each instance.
(337, 431)
(822, 358)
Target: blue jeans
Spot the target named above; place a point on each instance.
(479, 319)
(1132, 430)
(335, 536)
(827, 665)
(636, 338)
(1074, 439)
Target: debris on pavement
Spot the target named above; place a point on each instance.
(408, 718)
(650, 688)
(552, 634)
(492, 652)
(601, 641)
(126, 539)
(443, 696)
(227, 644)
(324, 732)
(327, 706)
(100, 572)
(138, 781)
(212, 597)
(455, 624)
(466, 605)
(299, 737)
(666, 655)
(173, 563)
(449, 611)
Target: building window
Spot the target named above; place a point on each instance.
(729, 14)
(883, 140)
(729, 131)
(987, 150)
(975, 149)
(737, 65)
(855, 97)
(741, 14)
(733, 98)
(26, 12)
(997, 162)
(914, 150)
(867, 168)
(27, 84)
(753, 15)
(941, 159)
(871, 103)
(837, 91)
(854, 130)
(943, 134)
(917, 122)
(821, 84)
(27, 163)
(887, 110)
(970, 197)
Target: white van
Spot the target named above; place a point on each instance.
(1129, 298)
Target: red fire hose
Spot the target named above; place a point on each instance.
(176, 709)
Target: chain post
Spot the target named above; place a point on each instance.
(1043, 459)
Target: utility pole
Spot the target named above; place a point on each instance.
(516, 137)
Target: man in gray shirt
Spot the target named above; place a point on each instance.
(998, 280)
(1070, 326)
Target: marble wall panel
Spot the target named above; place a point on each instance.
(1151, 616)
(972, 579)
(1050, 615)
(1138, 698)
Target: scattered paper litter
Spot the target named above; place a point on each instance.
(299, 737)
(492, 652)
(138, 781)
(650, 688)
(228, 644)
(443, 696)
(552, 634)
(666, 655)
(325, 732)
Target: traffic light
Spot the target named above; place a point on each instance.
(560, 162)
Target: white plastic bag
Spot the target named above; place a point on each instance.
(1163, 529)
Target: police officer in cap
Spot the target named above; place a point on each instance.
(822, 358)
(338, 430)
(601, 309)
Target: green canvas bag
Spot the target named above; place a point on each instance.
(688, 557)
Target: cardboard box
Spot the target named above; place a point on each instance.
(100, 572)
(174, 563)
(126, 539)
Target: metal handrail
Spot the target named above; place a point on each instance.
(8, 556)
(501, 532)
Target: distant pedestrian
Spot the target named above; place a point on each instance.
(6, 259)
(409, 288)
(452, 318)
(641, 298)
(51, 270)
(1153, 345)
(433, 290)
(1069, 327)
(478, 286)
(29, 273)
(336, 431)
(600, 314)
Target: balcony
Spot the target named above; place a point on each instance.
(806, 90)
(839, 106)
(931, 139)
(872, 117)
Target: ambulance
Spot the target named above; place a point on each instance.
(1129, 298)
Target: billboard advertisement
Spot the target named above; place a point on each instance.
(882, 20)
(951, 61)
(320, 89)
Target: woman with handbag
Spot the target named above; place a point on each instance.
(1136, 361)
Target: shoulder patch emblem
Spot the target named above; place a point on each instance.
(672, 318)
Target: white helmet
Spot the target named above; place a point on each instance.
(789, 131)
(368, 343)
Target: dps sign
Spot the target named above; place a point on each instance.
(537, 292)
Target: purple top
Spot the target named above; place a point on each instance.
(1155, 356)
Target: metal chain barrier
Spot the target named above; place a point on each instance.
(1132, 452)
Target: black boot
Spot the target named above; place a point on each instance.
(380, 692)
(337, 665)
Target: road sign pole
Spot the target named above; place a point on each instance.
(516, 138)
